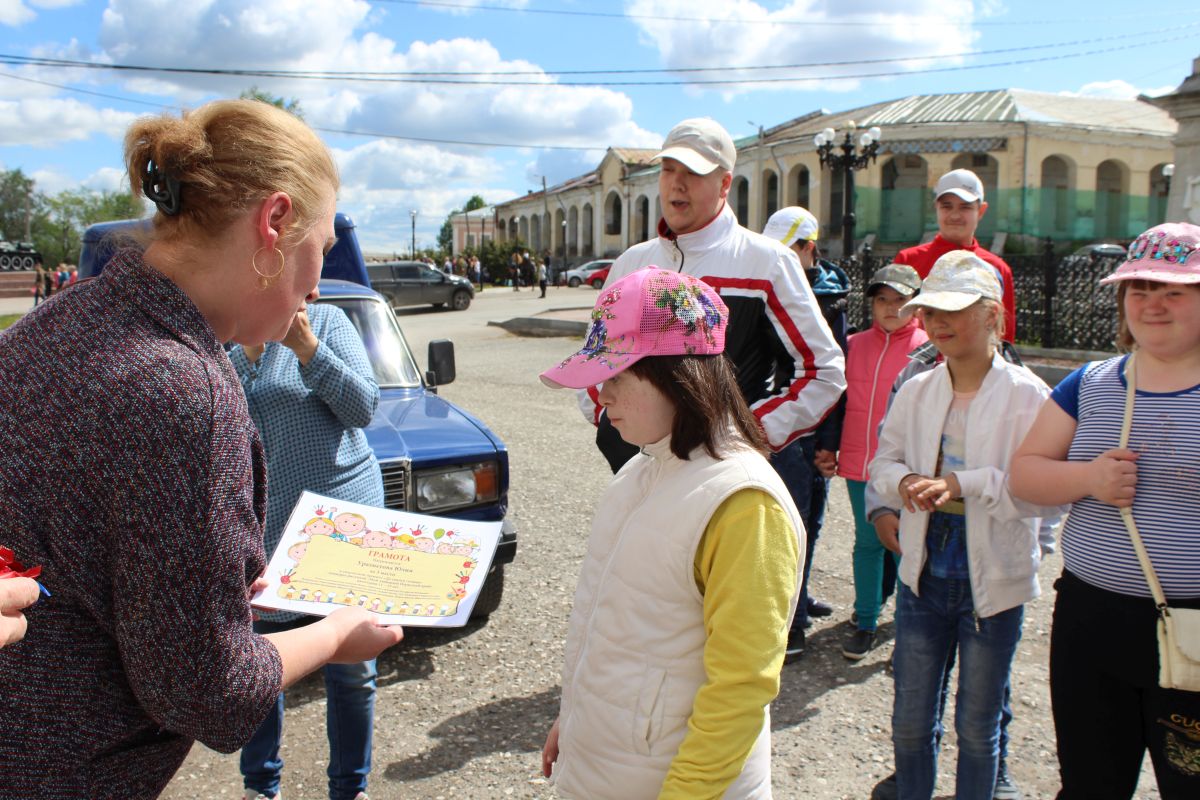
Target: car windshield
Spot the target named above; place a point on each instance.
(385, 345)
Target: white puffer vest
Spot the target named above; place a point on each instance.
(635, 645)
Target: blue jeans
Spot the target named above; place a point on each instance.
(929, 629)
(809, 491)
(349, 722)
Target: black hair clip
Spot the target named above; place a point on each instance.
(163, 190)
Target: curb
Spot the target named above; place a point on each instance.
(533, 326)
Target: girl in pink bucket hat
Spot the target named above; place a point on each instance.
(1121, 444)
(681, 614)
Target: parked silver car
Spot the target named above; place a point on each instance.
(582, 273)
(411, 283)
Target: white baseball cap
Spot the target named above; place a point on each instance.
(701, 145)
(790, 225)
(960, 182)
(957, 280)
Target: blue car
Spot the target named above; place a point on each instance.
(436, 458)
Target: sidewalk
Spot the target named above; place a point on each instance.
(15, 305)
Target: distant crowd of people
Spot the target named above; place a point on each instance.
(48, 281)
(141, 412)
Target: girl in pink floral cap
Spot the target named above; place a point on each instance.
(1109, 707)
(677, 635)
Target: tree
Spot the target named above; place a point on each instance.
(61, 220)
(292, 106)
(494, 256)
(446, 234)
(16, 200)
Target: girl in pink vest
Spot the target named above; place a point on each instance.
(874, 358)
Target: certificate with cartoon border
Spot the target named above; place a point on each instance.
(410, 569)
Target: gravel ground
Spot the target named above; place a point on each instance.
(463, 713)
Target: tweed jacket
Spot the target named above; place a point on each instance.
(132, 473)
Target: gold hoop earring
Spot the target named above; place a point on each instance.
(264, 280)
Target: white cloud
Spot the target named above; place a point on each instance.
(461, 7)
(384, 164)
(560, 165)
(16, 12)
(745, 33)
(45, 122)
(321, 35)
(383, 180)
(508, 114)
(1116, 89)
(227, 32)
(106, 179)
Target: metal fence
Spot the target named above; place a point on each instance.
(1060, 302)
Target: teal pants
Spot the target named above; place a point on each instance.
(869, 557)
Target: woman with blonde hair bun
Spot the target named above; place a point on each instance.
(131, 472)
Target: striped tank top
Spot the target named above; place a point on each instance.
(1166, 435)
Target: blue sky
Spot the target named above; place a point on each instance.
(70, 137)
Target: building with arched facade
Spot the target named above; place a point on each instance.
(1068, 168)
(589, 216)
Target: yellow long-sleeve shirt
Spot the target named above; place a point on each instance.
(746, 567)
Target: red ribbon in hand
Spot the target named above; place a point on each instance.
(10, 567)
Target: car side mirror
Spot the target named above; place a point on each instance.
(441, 363)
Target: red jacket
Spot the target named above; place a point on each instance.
(873, 360)
(922, 256)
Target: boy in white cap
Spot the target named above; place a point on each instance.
(808, 463)
(959, 202)
(788, 365)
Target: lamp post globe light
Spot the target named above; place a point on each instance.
(413, 214)
(854, 155)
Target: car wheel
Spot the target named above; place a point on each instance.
(597, 284)
(490, 595)
(461, 301)
(574, 282)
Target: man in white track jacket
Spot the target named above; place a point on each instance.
(788, 365)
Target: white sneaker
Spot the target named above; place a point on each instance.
(250, 794)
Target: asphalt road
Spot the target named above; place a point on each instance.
(463, 714)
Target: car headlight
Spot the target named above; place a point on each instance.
(455, 487)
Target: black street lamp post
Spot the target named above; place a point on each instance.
(854, 155)
(413, 214)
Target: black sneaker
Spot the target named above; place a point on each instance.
(1005, 788)
(886, 789)
(795, 645)
(819, 608)
(858, 645)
